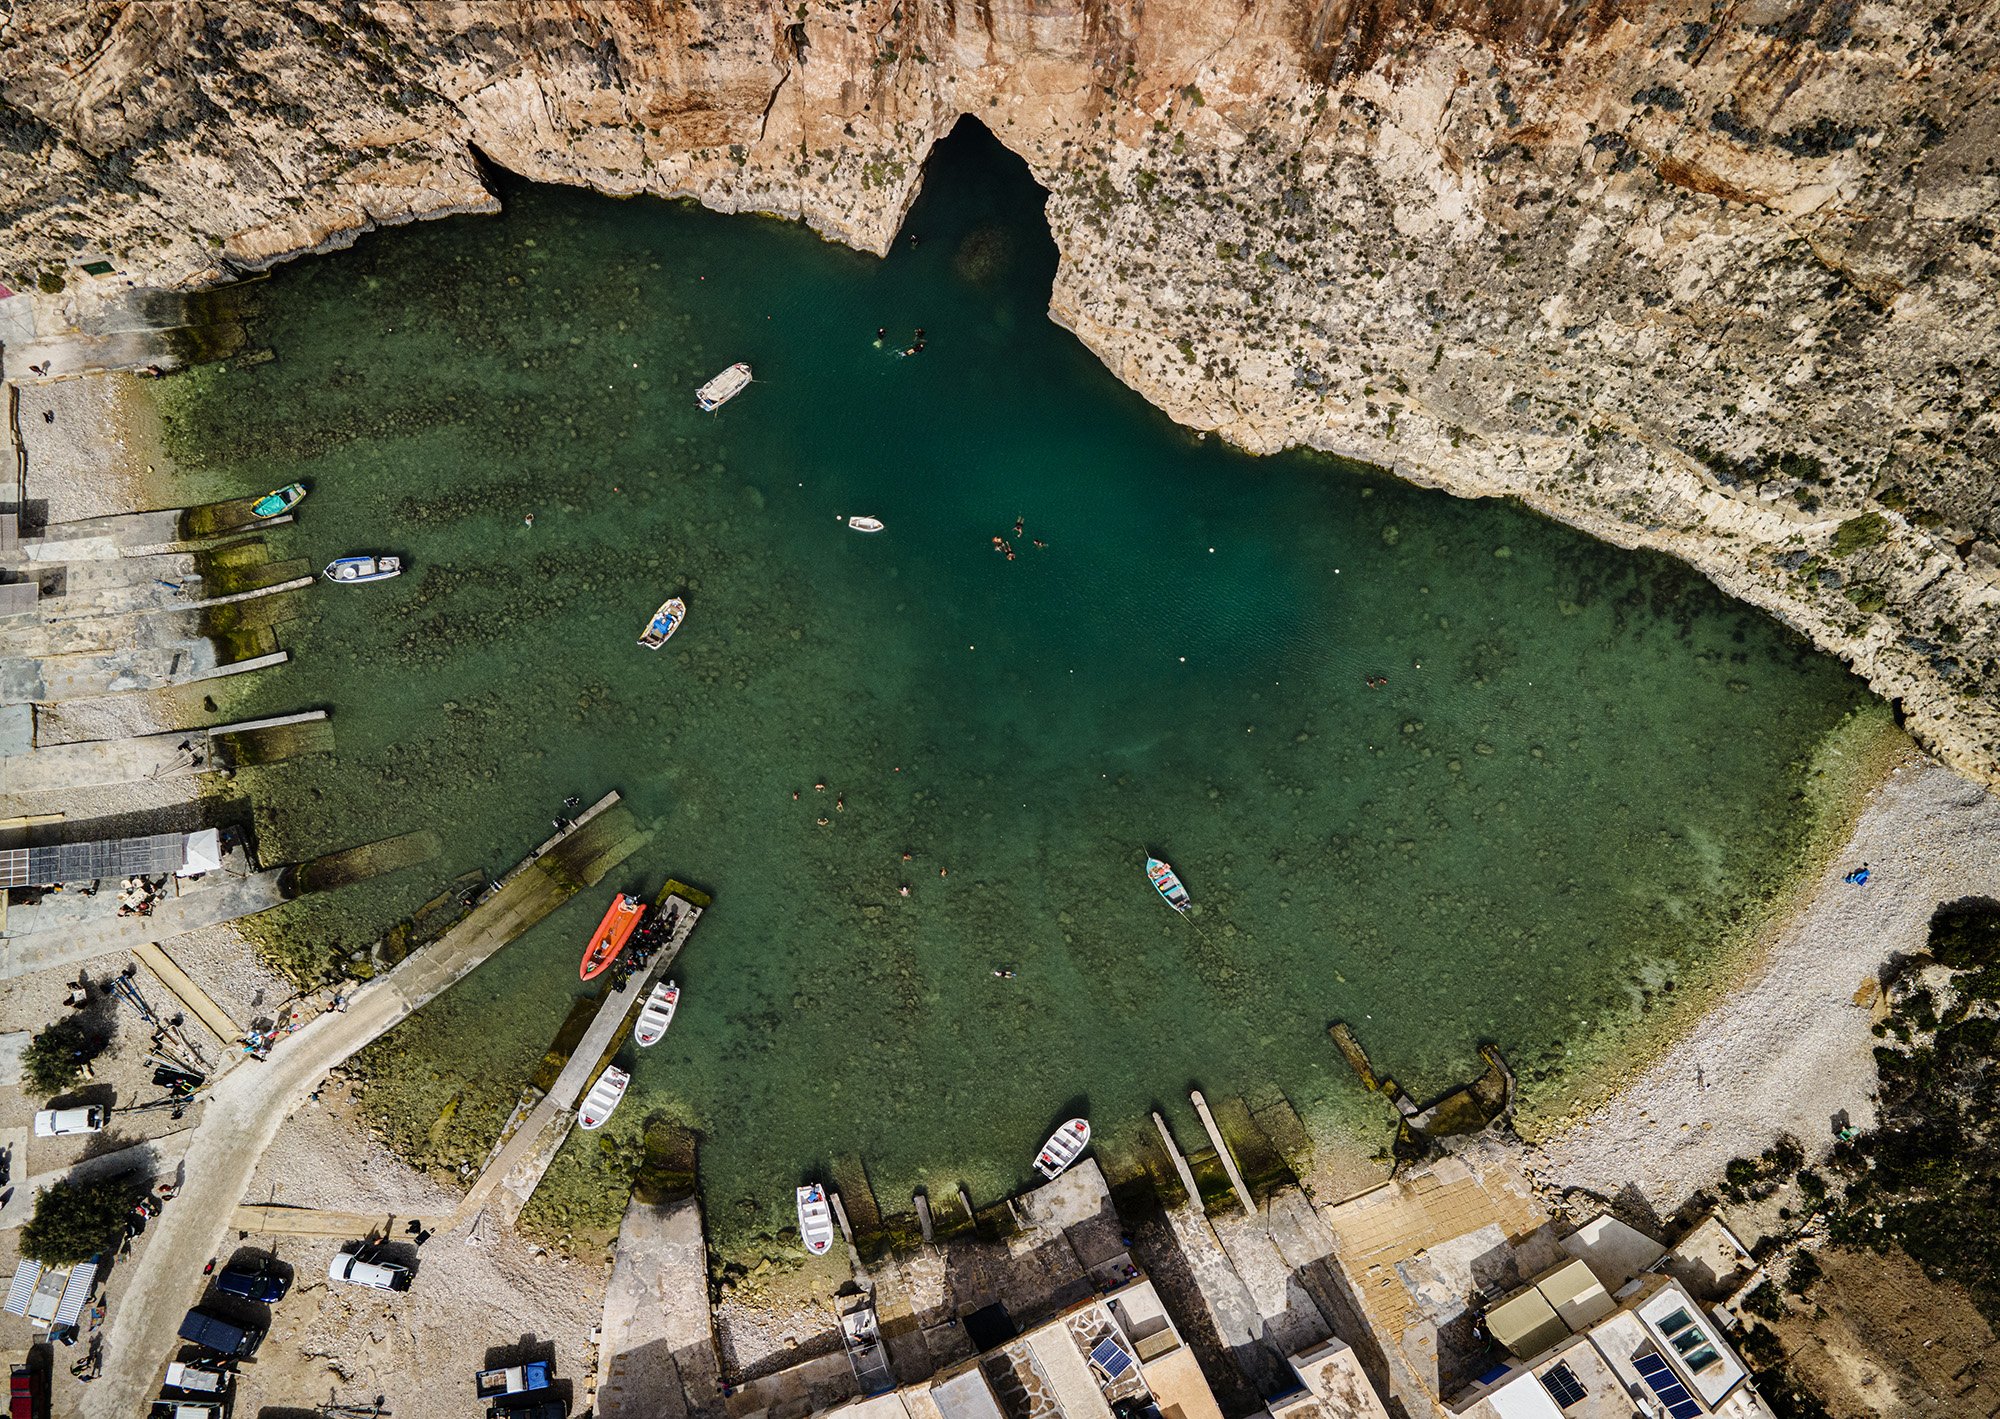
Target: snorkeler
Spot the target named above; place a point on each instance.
(881, 334)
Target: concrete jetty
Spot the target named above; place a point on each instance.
(246, 1107)
(522, 1157)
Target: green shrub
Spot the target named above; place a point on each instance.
(51, 282)
(54, 1059)
(75, 1221)
(1859, 532)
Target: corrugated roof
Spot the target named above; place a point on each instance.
(75, 1294)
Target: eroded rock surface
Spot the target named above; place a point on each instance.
(1717, 281)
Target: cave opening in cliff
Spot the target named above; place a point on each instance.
(982, 194)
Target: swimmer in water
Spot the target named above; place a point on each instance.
(881, 334)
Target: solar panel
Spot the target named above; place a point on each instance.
(1563, 1386)
(1662, 1382)
(25, 1276)
(1110, 1357)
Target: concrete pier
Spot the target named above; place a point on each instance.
(520, 1160)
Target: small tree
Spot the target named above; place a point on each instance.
(74, 1221)
(54, 1059)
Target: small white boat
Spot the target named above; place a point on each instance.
(1169, 886)
(602, 1098)
(723, 388)
(815, 1219)
(865, 524)
(656, 1014)
(665, 622)
(352, 571)
(1064, 1147)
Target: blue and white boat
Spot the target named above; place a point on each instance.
(353, 571)
(1169, 886)
(665, 622)
(278, 500)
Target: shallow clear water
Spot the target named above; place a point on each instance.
(1587, 769)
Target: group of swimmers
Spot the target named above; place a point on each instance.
(1001, 544)
(915, 347)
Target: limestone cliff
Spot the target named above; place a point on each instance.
(1714, 278)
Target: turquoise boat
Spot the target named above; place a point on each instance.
(279, 500)
(1169, 886)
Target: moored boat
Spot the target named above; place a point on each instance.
(865, 524)
(620, 920)
(1169, 886)
(665, 622)
(723, 388)
(602, 1098)
(656, 1014)
(279, 500)
(1064, 1147)
(815, 1219)
(362, 567)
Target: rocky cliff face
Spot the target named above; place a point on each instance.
(1716, 279)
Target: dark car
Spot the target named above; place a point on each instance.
(251, 1285)
(218, 1333)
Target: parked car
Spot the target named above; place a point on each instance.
(218, 1333)
(252, 1284)
(382, 1275)
(57, 1123)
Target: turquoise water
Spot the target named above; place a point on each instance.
(1585, 773)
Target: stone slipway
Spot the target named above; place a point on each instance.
(656, 1355)
(55, 768)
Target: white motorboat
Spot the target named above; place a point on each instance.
(353, 571)
(656, 1014)
(815, 1219)
(723, 388)
(1064, 1147)
(665, 622)
(602, 1098)
(865, 524)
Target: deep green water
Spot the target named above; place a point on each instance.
(1586, 773)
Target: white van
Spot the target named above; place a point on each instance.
(56, 1123)
(382, 1275)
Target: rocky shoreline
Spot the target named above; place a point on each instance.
(1724, 291)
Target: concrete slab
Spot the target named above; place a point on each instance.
(17, 732)
(656, 1354)
(55, 934)
(12, 1045)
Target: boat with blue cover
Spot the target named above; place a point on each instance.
(665, 622)
(1169, 886)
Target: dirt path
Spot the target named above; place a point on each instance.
(247, 1107)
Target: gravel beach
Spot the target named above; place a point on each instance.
(1790, 1050)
